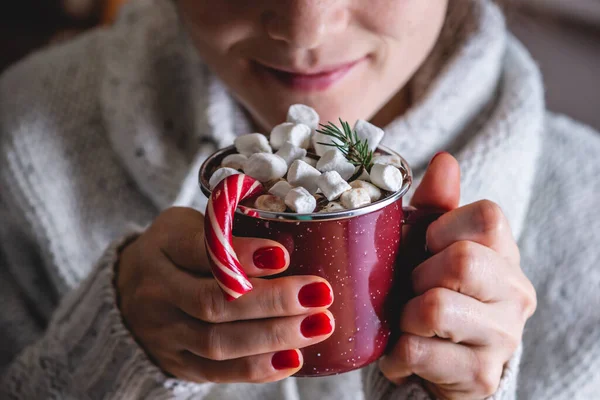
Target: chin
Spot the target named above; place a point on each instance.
(349, 103)
(348, 107)
(329, 111)
(349, 112)
(350, 100)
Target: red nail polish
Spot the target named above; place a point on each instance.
(316, 325)
(316, 294)
(269, 258)
(287, 359)
(437, 154)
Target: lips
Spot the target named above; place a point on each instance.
(316, 80)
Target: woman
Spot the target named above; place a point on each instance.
(105, 134)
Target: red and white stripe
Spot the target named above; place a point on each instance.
(218, 226)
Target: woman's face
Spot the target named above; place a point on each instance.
(345, 58)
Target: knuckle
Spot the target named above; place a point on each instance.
(410, 350)
(214, 376)
(525, 300)
(188, 245)
(432, 232)
(171, 369)
(513, 342)
(529, 302)
(527, 305)
(488, 382)
(487, 378)
(489, 217)
(250, 371)
(462, 261)
(509, 340)
(433, 309)
(211, 304)
(171, 363)
(186, 366)
(277, 336)
(273, 302)
(211, 345)
(462, 253)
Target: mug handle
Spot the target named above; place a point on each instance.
(418, 220)
(413, 247)
(413, 251)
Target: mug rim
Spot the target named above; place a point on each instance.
(295, 217)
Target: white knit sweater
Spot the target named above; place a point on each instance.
(104, 132)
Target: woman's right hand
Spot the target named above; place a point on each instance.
(178, 313)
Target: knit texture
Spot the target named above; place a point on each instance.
(103, 133)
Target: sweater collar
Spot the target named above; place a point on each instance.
(479, 96)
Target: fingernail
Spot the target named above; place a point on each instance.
(269, 258)
(286, 359)
(316, 294)
(316, 325)
(437, 154)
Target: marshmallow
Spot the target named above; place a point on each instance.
(332, 185)
(321, 149)
(302, 174)
(301, 201)
(369, 132)
(355, 198)
(364, 176)
(268, 202)
(291, 153)
(310, 161)
(269, 184)
(301, 114)
(278, 134)
(297, 134)
(386, 177)
(281, 189)
(221, 174)
(332, 207)
(252, 143)
(333, 160)
(235, 161)
(265, 167)
(374, 192)
(388, 160)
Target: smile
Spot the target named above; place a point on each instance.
(317, 80)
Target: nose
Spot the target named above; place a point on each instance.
(305, 23)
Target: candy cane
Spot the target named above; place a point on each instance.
(218, 226)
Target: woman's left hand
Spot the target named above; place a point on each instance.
(472, 298)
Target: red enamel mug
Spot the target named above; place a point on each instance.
(360, 252)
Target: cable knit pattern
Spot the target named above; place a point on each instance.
(106, 131)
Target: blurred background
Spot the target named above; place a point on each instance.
(562, 35)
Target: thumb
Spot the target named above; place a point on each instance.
(440, 187)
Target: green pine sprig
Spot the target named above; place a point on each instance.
(346, 140)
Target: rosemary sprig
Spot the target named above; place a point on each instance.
(346, 140)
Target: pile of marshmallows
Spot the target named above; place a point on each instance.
(310, 179)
